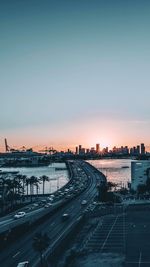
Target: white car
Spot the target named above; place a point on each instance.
(65, 216)
(20, 214)
(23, 264)
(48, 205)
(84, 202)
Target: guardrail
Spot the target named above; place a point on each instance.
(53, 251)
(6, 231)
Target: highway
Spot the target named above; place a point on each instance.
(22, 250)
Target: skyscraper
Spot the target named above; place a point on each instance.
(80, 149)
(77, 150)
(138, 150)
(142, 149)
(97, 148)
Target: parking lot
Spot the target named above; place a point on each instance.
(138, 237)
(127, 233)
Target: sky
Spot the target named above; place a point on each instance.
(74, 71)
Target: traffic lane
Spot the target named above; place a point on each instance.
(28, 214)
(26, 242)
(59, 227)
(25, 245)
(26, 209)
(17, 249)
(74, 216)
(26, 252)
(30, 209)
(54, 230)
(7, 218)
(11, 218)
(97, 176)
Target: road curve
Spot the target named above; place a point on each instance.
(22, 250)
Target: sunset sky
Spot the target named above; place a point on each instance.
(74, 72)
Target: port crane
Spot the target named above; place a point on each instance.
(48, 150)
(21, 149)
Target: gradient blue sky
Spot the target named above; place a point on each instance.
(74, 72)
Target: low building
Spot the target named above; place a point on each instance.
(140, 172)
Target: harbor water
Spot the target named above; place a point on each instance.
(116, 170)
(58, 175)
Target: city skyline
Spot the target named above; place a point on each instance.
(97, 147)
(74, 72)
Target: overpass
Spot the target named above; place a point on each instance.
(85, 176)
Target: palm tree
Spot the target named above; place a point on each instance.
(2, 194)
(37, 190)
(11, 186)
(22, 179)
(32, 181)
(37, 182)
(44, 179)
(27, 184)
(40, 244)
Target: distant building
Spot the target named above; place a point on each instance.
(77, 150)
(106, 150)
(80, 149)
(138, 150)
(97, 148)
(83, 151)
(92, 150)
(139, 173)
(142, 149)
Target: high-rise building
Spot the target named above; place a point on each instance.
(138, 150)
(97, 148)
(139, 173)
(142, 149)
(106, 149)
(80, 148)
(77, 150)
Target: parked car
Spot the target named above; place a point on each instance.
(20, 214)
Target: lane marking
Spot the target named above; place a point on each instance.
(136, 262)
(109, 233)
(16, 254)
(140, 258)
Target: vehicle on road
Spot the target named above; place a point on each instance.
(84, 202)
(65, 217)
(35, 204)
(20, 214)
(23, 264)
(48, 205)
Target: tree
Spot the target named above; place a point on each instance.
(33, 180)
(37, 186)
(12, 190)
(40, 244)
(148, 184)
(2, 194)
(27, 185)
(44, 179)
(22, 179)
(18, 188)
(110, 185)
(102, 191)
(141, 188)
